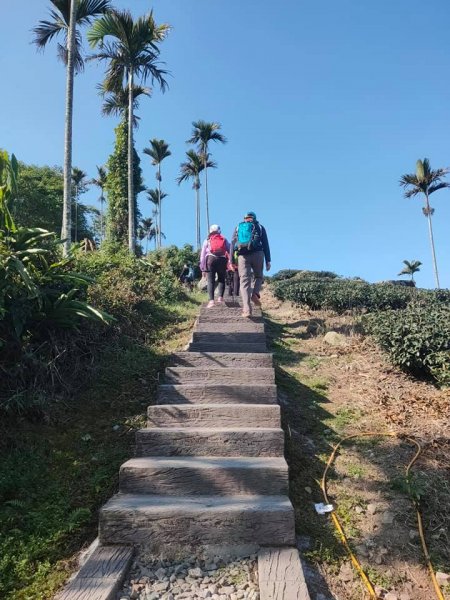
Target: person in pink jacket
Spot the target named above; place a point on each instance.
(214, 258)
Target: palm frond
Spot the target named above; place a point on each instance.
(45, 31)
(88, 9)
(438, 186)
(158, 151)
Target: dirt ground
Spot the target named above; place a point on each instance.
(332, 391)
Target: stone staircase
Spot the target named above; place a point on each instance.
(209, 467)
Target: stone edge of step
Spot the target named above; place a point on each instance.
(101, 576)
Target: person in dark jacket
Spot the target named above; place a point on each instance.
(252, 245)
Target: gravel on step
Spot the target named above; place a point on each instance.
(191, 578)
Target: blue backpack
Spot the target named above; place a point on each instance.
(248, 236)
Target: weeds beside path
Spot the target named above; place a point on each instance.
(329, 392)
(54, 475)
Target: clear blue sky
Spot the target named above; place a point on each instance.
(325, 105)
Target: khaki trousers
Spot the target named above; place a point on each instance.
(249, 264)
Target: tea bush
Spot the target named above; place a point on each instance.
(417, 338)
(300, 274)
(342, 294)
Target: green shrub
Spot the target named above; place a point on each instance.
(417, 338)
(173, 259)
(285, 274)
(342, 294)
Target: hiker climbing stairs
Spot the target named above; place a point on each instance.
(209, 466)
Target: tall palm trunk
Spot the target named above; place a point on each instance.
(430, 233)
(102, 200)
(159, 205)
(197, 212)
(67, 199)
(206, 189)
(76, 214)
(131, 213)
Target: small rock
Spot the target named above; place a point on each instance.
(387, 518)
(371, 509)
(196, 573)
(413, 534)
(442, 578)
(405, 596)
(229, 589)
(391, 596)
(160, 573)
(161, 587)
(361, 549)
(359, 509)
(346, 572)
(308, 489)
(335, 339)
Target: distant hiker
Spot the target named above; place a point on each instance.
(250, 241)
(213, 259)
(187, 276)
(233, 276)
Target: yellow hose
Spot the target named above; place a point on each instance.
(356, 563)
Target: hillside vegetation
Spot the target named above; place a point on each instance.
(411, 325)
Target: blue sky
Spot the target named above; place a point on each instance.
(325, 105)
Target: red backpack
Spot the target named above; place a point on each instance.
(217, 244)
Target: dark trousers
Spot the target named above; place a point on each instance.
(216, 264)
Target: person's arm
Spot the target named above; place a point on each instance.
(203, 256)
(266, 247)
(232, 245)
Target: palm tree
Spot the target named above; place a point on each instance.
(80, 183)
(158, 152)
(410, 268)
(156, 196)
(116, 103)
(133, 53)
(147, 230)
(100, 182)
(426, 181)
(66, 15)
(191, 169)
(203, 133)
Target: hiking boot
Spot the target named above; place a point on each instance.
(210, 304)
(255, 299)
(220, 300)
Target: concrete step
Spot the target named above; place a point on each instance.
(200, 476)
(210, 441)
(246, 337)
(157, 521)
(228, 310)
(221, 359)
(218, 375)
(227, 347)
(232, 327)
(227, 317)
(210, 393)
(214, 415)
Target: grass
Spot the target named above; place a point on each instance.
(55, 474)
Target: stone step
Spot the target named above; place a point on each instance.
(227, 318)
(219, 375)
(210, 393)
(214, 415)
(157, 521)
(253, 348)
(246, 337)
(228, 310)
(233, 327)
(210, 441)
(200, 476)
(221, 359)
